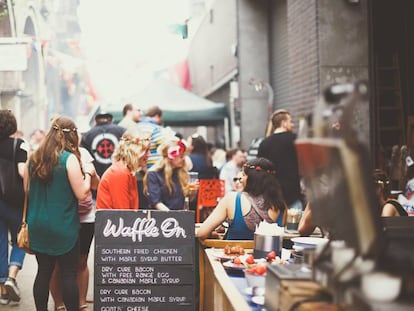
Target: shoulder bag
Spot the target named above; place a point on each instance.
(23, 240)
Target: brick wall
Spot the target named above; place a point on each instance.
(303, 56)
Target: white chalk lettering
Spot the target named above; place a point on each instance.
(166, 251)
(170, 281)
(144, 269)
(106, 269)
(163, 275)
(107, 299)
(122, 281)
(123, 269)
(128, 259)
(116, 251)
(141, 251)
(144, 275)
(148, 258)
(108, 274)
(131, 299)
(171, 227)
(177, 299)
(108, 258)
(148, 281)
(171, 258)
(138, 308)
(141, 292)
(141, 227)
(156, 299)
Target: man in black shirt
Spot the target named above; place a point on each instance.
(279, 148)
(101, 140)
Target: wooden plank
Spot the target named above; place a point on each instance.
(223, 243)
(220, 293)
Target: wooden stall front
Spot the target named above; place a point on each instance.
(217, 291)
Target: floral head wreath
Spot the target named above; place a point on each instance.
(136, 140)
(176, 150)
(65, 130)
(258, 168)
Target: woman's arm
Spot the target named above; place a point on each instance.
(21, 168)
(306, 227)
(21, 156)
(26, 177)
(161, 207)
(89, 167)
(284, 216)
(154, 191)
(80, 185)
(218, 215)
(95, 180)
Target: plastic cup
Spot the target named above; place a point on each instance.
(293, 219)
(193, 179)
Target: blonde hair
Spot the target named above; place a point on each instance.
(164, 165)
(131, 148)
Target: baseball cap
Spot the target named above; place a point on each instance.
(104, 114)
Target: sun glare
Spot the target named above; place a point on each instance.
(126, 41)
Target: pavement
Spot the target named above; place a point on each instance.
(25, 279)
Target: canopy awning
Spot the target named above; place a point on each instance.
(180, 107)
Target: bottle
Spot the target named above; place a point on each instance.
(186, 204)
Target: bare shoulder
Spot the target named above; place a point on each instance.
(228, 198)
(389, 210)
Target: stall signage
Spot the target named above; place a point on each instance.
(144, 260)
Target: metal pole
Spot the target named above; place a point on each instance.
(270, 96)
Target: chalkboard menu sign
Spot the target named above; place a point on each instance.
(144, 260)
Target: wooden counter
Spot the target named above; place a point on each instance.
(217, 291)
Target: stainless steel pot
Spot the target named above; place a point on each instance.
(263, 244)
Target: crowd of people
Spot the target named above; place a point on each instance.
(136, 164)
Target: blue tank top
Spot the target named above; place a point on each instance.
(279, 219)
(238, 229)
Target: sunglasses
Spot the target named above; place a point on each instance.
(235, 179)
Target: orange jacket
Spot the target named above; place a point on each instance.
(117, 189)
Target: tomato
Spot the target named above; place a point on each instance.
(260, 269)
(250, 259)
(271, 255)
(237, 261)
(251, 270)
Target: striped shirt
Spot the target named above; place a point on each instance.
(157, 138)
